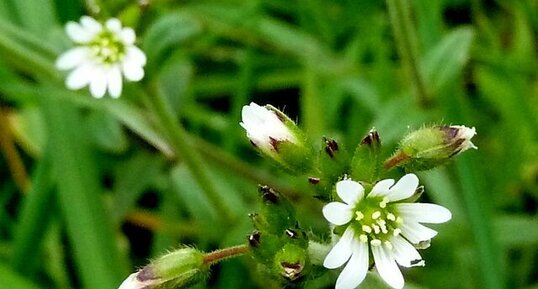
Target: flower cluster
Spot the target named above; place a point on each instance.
(382, 222)
(104, 53)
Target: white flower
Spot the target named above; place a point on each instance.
(264, 128)
(379, 222)
(103, 54)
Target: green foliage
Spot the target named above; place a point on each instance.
(113, 183)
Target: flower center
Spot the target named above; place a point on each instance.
(376, 222)
(107, 48)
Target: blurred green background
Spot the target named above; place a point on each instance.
(92, 189)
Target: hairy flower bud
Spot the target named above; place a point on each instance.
(179, 269)
(429, 147)
(276, 136)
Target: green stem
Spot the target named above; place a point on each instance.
(406, 42)
(226, 253)
(179, 139)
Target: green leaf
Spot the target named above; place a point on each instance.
(14, 280)
(444, 62)
(87, 223)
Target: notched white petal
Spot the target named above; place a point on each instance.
(381, 188)
(387, 268)
(341, 252)
(337, 213)
(356, 269)
(115, 82)
(404, 188)
(349, 191)
(113, 24)
(72, 58)
(98, 83)
(405, 253)
(416, 233)
(424, 213)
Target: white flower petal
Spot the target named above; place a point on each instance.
(416, 233)
(337, 213)
(115, 82)
(98, 83)
(387, 268)
(72, 58)
(356, 269)
(113, 24)
(341, 252)
(135, 56)
(382, 188)
(404, 253)
(80, 77)
(423, 212)
(349, 191)
(77, 33)
(129, 283)
(132, 72)
(128, 36)
(91, 25)
(404, 188)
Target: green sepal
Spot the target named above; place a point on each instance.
(333, 164)
(181, 268)
(296, 158)
(366, 163)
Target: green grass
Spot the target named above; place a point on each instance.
(113, 183)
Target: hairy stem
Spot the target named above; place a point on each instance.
(222, 254)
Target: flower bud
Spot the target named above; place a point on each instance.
(276, 136)
(179, 269)
(365, 164)
(429, 147)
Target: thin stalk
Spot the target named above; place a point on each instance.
(179, 140)
(13, 158)
(226, 253)
(407, 44)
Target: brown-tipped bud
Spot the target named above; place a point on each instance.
(254, 239)
(331, 147)
(371, 139)
(429, 147)
(183, 267)
(269, 194)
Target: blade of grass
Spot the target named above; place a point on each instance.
(88, 226)
(35, 216)
(13, 280)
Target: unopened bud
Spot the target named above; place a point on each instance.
(365, 164)
(276, 136)
(429, 147)
(182, 268)
(292, 262)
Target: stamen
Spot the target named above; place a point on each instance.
(360, 216)
(388, 245)
(375, 242)
(366, 229)
(376, 229)
(363, 238)
(383, 228)
(399, 220)
(383, 203)
(391, 217)
(396, 232)
(376, 215)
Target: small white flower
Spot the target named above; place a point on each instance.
(380, 223)
(103, 54)
(264, 128)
